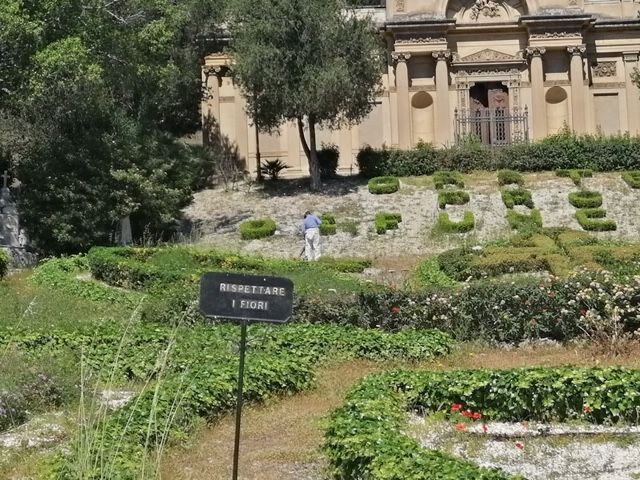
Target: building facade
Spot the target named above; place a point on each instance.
(501, 70)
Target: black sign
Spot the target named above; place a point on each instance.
(246, 297)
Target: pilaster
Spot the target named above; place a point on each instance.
(633, 93)
(442, 110)
(538, 107)
(402, 88)
(578, 111)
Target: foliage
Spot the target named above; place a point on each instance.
(508, 177)
(272, 168)
(576, 175)
(398, 163)
(328, 159)
(384, 221)
(429, 274)
(632, 178)
(525, 223)
(585, 199)
(261, 228)
(593, 219)
(452, 197)
(442, 178)
(563, 151)
(95, 98)
(328, 225)
(4, 263)
(382, 185)
(365, 437)
(305, 62)
(446, 225)
(518, 196)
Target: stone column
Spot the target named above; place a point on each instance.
(443, 122)
(539, 106)
(402, 89)
(633, 93)
(578, 111)
(213, 80)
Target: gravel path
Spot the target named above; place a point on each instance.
(216, 214)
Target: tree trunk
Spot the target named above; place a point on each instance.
(258, 159)
(311, 152)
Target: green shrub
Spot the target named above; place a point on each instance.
(518, 196)
(4, 263)
(508, 177)
(443, 178)
(576, 175)
(452, 197)
(585, 199)
(328, 225)
(386, 221)
(397, 163)
(328, 159)
(632, 178)
(261, 228)
(445, 224)
(272, 168)
(593, 220)
(366, 436)
(382, 185)
(525, 223)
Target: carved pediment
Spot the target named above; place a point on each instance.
(488, 55)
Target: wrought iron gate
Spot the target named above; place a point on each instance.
(493, 126)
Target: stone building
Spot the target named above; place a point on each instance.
(503, 70)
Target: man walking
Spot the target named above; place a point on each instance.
(311, 236)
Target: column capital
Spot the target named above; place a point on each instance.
(531, 52)
(400, 57)
(630, 57)
(577, 50)
(442, 55)
(217, 70)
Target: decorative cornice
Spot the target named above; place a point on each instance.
(549, 35)
(479, 71)
(577, 50)
(442, 55)
(630, 57)
(605, 69)
(399, 57)
(531, 52)
(419, 40)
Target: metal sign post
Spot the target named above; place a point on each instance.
(245, 298)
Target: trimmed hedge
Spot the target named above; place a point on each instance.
(576, 175)
(328, 158)
(328, 225)
(518, 196)
(386, 221)
(443, 178)
(4, 263)
(509, 177)
(562, 151)
(523, 222)
(365, 437)
(384, 185)
(585, 199)
(452, 197)
(260, 228)
(632, 178)
(446, 225)
(593, 220)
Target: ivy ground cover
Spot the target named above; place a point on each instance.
(367, 437)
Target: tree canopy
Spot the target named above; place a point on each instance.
(93, 96)
(313, 62)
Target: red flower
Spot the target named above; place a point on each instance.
(461, 427)
(587, 409)
(485, 428)
(456, 407)
(520, 445)
(477, 416)
(395, 309)
(467, 413)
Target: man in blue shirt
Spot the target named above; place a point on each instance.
(311, 236)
